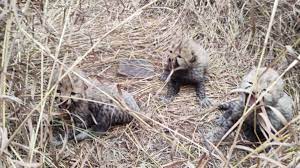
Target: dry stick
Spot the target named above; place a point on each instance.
(140, 147)
(211, 109)
(174, 163)
(279, 148)
(260, 97)
(57, 51)
(56, 56)
(136, 115)
(168, 79)
(174, 132)
(267, 141)
(162, 134)
(270, 160)
(48, 160)
(79, 59)
(11, 98)
(292, 52)
(122, 3)
(4, 65)
(207, 144)
(87, 156)
(259, 65)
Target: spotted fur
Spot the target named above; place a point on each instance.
(88, 115)
(276, 97)
(192, 58)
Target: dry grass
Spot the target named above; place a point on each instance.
(95, 34)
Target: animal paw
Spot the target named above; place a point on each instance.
(224, 122)
(204, 103)
(224, 106)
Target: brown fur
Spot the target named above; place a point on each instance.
(275, 97)
(92, 116)
(192, 59)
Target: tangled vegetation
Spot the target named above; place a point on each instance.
(93, 35)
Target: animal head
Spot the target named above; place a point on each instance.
(185, 54)
(69, 89)
(258, 80)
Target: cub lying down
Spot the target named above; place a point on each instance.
(277, 104)
(89, 109)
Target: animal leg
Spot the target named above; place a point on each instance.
(200, 92)
(173, 89)
(164, 75)
(233, 110)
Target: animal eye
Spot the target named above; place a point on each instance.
(171, 51)
(73, 93)
(250, 83)
(58, 91)
(264, 90)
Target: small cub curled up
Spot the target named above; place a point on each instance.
(191, 61)
(89, 109)
(257, 126)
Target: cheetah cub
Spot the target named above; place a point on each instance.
(89, 109)
(253, 85)
(191, 61)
